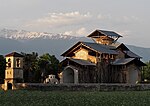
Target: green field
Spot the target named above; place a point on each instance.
(59, 98)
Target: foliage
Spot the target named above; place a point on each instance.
(49, 98)
(37, 68)
(146, 71)
(2, 68)
(48, 64)
(31, 67)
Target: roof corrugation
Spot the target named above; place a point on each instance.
(82, 62)
(122, 61)
(100, 48)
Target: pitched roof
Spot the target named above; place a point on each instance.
(125, 61)
(122, 61)
(93, 46)
(82, 62)
(125, 50)
(97, 33)
(14, 54)
(131, 54)
(119, 45)
(79, 61)
(100, 48)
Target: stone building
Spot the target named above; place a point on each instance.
(14, 70)
(102, 61)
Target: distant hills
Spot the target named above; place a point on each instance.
(25, 41)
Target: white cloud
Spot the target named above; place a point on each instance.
(78, 24)
(60, 19)
(68, 33)
(125, 33)
(118, 19)
(79, 32)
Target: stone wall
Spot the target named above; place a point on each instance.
(83, 87)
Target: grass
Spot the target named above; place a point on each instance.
(59, 98)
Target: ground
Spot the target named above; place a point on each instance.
(65, 98)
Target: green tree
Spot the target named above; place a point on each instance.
(48, 64)
(146, 71)
(31, 68)
(2, 68)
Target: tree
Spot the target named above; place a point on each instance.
(31, 68)
(2, 68)
(146, 71)
(48, 64)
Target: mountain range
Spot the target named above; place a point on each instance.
(43, 42)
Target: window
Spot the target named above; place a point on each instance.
(17, 62)
(9, 62)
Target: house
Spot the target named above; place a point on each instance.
(102, 61)
(51, 79)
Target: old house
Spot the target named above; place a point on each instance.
(102, 61)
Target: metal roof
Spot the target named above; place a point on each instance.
(110, 33)
(125, 50)
(119, 45)
(93, 46)
(104, 32)
(122, 61)
(100, 48)
(131, 54)
(82, 62)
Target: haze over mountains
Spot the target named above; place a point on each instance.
(43, 42)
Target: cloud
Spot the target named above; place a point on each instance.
(60, 19)
(125, 33)
(78, 24)
(118, 19)
(79, 32)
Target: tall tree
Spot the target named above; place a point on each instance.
(2, 68)
(146, 71)
(31, 69)
(48, 64)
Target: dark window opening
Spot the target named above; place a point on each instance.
(9, 62)
(18, 63)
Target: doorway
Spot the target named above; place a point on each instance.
(9, 86)
(68, 75)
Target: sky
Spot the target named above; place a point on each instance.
(130, 18)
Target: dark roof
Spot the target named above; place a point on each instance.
(125, 61)
(100, 48)
(125, 50)
(97, 33)
(14, 54)
(119, 45)
(79, 61)
(93, 46)
(82, 62)
(131, 54)
(122, 61)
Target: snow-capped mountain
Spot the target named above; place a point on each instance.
(42, 42)
(25, 35)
